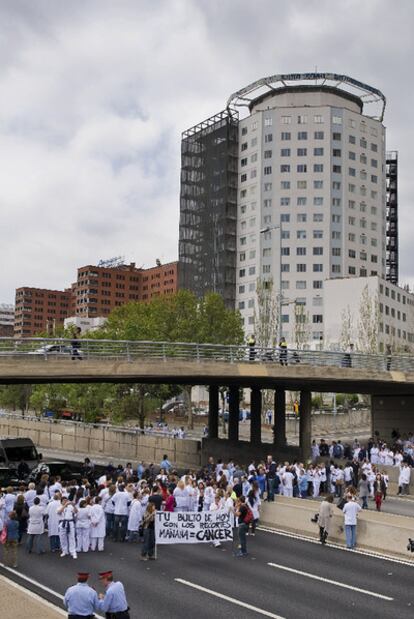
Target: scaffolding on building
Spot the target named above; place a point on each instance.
(391, 263)
(208, 207)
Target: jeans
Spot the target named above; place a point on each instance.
(270, 489)
(149, 543)
(243, 528)
(34, 542)
(364, 502)
(54, 541)
(350, 535)
(121, 523)
(110, 518)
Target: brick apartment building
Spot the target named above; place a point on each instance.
(96, 292)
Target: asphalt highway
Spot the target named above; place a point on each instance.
(282, 577)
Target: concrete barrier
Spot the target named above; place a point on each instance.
(379, 532)
(110, 442)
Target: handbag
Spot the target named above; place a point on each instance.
(3, 535)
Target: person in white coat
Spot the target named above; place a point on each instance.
(181, 497)
(67, 511)
(35, 527)
(134, 518)
(53, 519)
(98, 525)
(83, 526)
(217, 505)
(404, 478)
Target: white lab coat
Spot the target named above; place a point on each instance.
(98, 524)
(135, 515)
(36, 525)
(53, 518)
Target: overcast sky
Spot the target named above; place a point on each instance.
(95, 95)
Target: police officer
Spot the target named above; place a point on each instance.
(113, 603)
(251, 342)
(81, 600)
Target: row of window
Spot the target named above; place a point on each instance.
(286, 136)
(302, 168)
(302, 119)
(303, 152)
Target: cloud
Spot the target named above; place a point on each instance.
(95, 95)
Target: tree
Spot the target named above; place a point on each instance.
(302, 329)
(266, 315)
(368, 322)
(347, 328)
(16, 397)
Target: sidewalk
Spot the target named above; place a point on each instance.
(21, 603)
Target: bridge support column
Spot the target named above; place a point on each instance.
(256, 416)
(305, 424)
(280, 419)
(234, 414)
(213, 411)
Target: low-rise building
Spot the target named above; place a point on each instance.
(6, 319)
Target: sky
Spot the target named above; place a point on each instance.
(96, 93)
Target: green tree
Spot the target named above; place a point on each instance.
(16, 397)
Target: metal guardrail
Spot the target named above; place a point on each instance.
(51, 349)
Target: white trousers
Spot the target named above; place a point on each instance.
(316, 486)
(288, 491)
(99, 540)
(83, 539)
(67, 538)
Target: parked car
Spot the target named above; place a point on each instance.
(54, 350)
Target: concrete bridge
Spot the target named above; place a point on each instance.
(389, 380)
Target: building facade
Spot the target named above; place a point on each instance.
(97, 291)
(6, 320)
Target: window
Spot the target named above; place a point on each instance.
(352, 253)
(243, 209)
(301, 201)
(253, 158)
(302, 135)
(374, 258)
(243, 178)
(285, 217)
(243, 162)
(302, 184)
(363, 143)
(242, 289)
(336, 219)
(336, 152)
(351, 171)
(242, 272)
(336, 234)
(241, 305)
(317, 268)
(301, 251)
(243, 193)
(318, 135)
(266, 268)
(268, 122)
(336, 268)
(351, 221)
(351, 188)
(285, 234)
(243, 240)
(363, 223)
(243, 146)
(336, 120)
(363, 159)
(374, 179)
(284, 168)
(253, 173)
(285, 268)
(336, 201)
(267, 203)
(317, 251)
(374, 163)
(301, 268)
(351, 155)
(336, 169)
(267, 219)
(302, 152)
(351, 270)
(286, 120)
(317, 201)
(318, 167)
(318, 234)
(268, 137)
(285, 251)
(351, 204)
(301, 234)
(268, 170)
(285, 284)
(302, 167)
(318, 152)
(301, 217)
(373, 210)
(317, 284)
(374, 148)
(284, 185)
(337, 137)
(285, 135)
(319, 184)
(285, 152)
(317, 318)
(302, 120)
(267, 154)
(318, 119)
(268, 187)
(267, 252)
(254, 125)
(244, 131)
(300, 284)
(351, 139)
(252, 270)
(336, 251)
(351, 237)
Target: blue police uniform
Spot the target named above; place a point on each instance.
(114, 604)
(81, 601)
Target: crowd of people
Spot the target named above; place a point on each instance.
(120, 504)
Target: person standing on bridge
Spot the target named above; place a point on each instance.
(351, 509)
(67, 511)
(80, 599)
(251, 342)
(283, 351)
(113, 603)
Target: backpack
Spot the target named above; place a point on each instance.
(337, 451)
(249, 516)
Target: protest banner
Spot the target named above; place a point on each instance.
(193, 527)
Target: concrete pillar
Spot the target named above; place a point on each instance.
(234, 414)
(280, 419)
(305, 425)
(213, 411)
(256, 416)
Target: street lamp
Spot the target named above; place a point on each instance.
(279, 296)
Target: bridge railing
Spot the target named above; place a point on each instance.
(55, 349)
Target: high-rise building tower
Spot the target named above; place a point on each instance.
(311, 193)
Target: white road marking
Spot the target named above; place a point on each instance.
(331, 582)
(34, 596)
(313, 540)
(260, 611)
(39, 585)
